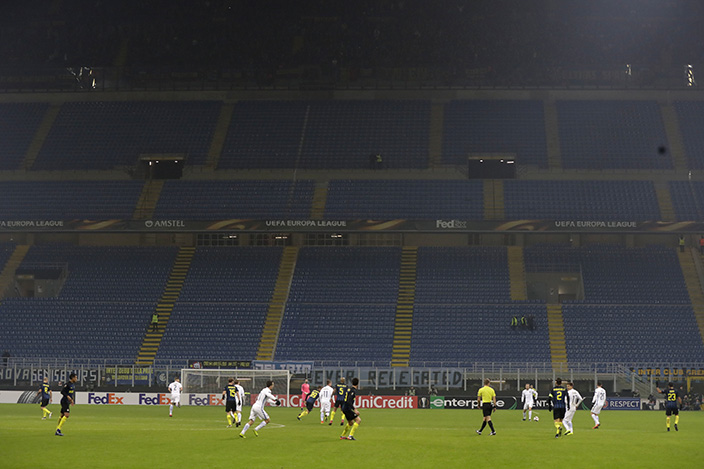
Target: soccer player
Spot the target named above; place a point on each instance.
(175, 389)
(486, 398)
(310, 402)
(528, 397)
(325, 397)
(350, 413)
(68, 392)
(598, 402)
(258, 412)
(240, 402)
(340, 390)
(672, 401)
(305, 390)
(45, 391)
(230, 396)
(558, 403)
(574, 398)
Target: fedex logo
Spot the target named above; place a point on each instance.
(209, 399)
(160, 399)
(109, 398)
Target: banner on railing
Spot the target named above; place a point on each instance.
(225, 364)
(297, 367)
(388, 377)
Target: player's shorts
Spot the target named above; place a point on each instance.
(238, 407)
(671, 410)
(569, 415)
(350, 414)
(338, 403)
(65, 406)
(258, 412)
(597, 408)
(45, 402)
(558, 414)
(230, 405)
(487, 409)
(527, 406)
(175, 399)
(310, 405)
(325, 406)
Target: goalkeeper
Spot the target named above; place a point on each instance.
(258, 412)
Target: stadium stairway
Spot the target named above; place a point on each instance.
(437, 119)
(556, 329)
(674, 136)
(220, 135)
(494, 199)
(320, 197)
(277, 305)
(151, 191)
(40, 136)
(667, 209)
(693, 282)
(179, 271)
(552, 135)
(7, 276)
(517, 273)
(403, 324)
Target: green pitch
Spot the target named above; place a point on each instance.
(196, 437)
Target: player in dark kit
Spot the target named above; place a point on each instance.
(68, 392)
(340, 390)
(45, 392)
(672, 402)
(558, 403)
(350, 413)
(230, 396)
(310, 402)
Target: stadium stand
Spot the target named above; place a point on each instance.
(462, 275)
(107, 274)
(222, 305)
(611, 135)
(207, 200)
(687, 199)
(18, 125)
(62, 200)
(88, 329)
(631, 333)
(468, 333)
(327, 134)
(102, 135)
(690, 120)
(581, 200)
(614, 274)
(498, 126)
(213, 331)
(463, 301)
(231, 275)
(411, 199)
(342, 305)
(264, 134)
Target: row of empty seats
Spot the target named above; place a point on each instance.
(349, 199)
(342, 304)
(341, 134)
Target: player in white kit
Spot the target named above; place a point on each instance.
(574, 398)
(175, 389)
(598, 402)
(258, 412)
(240, 402)
(325, 401)
(528, 397)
